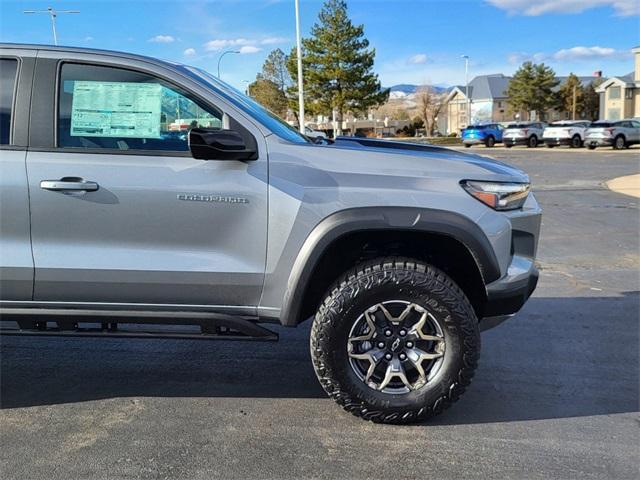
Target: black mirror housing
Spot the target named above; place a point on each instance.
(219, 144)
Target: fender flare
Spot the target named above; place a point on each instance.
(360, 219)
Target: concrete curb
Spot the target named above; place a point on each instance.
(629, 185)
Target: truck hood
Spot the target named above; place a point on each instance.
(456, 160)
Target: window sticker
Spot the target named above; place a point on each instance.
(116, 109)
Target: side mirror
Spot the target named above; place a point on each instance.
(217, 144)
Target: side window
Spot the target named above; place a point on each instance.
(113, 108)
(8, 69)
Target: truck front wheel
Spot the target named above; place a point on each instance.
(395, 341)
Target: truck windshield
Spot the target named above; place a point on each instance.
(251, 107)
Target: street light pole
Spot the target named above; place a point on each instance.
(466, 81)
(300, 84)
(220, 58)
(53, 14)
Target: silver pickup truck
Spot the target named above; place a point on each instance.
(137, 194)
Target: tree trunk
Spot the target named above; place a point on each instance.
(338, 131)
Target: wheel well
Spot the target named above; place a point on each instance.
(441, 251)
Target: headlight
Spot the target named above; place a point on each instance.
(498, 195)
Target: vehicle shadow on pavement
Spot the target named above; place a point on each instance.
(560, 357)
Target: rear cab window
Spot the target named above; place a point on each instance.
(8, 76)
(102, 107)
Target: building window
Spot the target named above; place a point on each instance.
(613, 114)
(499, 104)
(628, 93)
(614, 93)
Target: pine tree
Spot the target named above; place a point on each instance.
(337, 66)
(532, 88)
(571, 91)
(592, 100)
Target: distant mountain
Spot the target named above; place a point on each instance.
(408, 89)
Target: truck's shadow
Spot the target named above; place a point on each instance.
(560, 357)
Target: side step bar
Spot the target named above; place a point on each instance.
(109, 323)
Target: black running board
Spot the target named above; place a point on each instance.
(132, 324)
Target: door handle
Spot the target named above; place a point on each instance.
(69, 184)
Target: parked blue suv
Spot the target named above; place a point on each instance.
(487, 134)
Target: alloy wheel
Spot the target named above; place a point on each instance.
(396, 347)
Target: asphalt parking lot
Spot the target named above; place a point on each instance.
(555, 396)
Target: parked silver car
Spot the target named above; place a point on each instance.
(523, 133)
(617, 134)
(565, 132)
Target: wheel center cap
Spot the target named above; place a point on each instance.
(395, 345)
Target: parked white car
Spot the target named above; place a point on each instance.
(566, 132)
(523, 133)
(314, 134)
(619, 134)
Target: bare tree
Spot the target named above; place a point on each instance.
(429, 106)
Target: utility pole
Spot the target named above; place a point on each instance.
(575, 99)
(300, 83)
(466, 81)
(53, 14)
(220, 58)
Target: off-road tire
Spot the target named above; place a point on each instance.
(381, 280)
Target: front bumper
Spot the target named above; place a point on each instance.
(507, 295)
(599, 142)
(515, 140)
(556, 141)
(473, 141)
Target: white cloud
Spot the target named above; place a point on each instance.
(418, 59)
(587, 53)
(189, 52)
(540, 7)
(244, 45)
(520, 57)
(272, 40)
(219, 44)
(249, 49)
(162, 39)
(573, 54)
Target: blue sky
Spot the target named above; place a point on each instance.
(417, 41)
